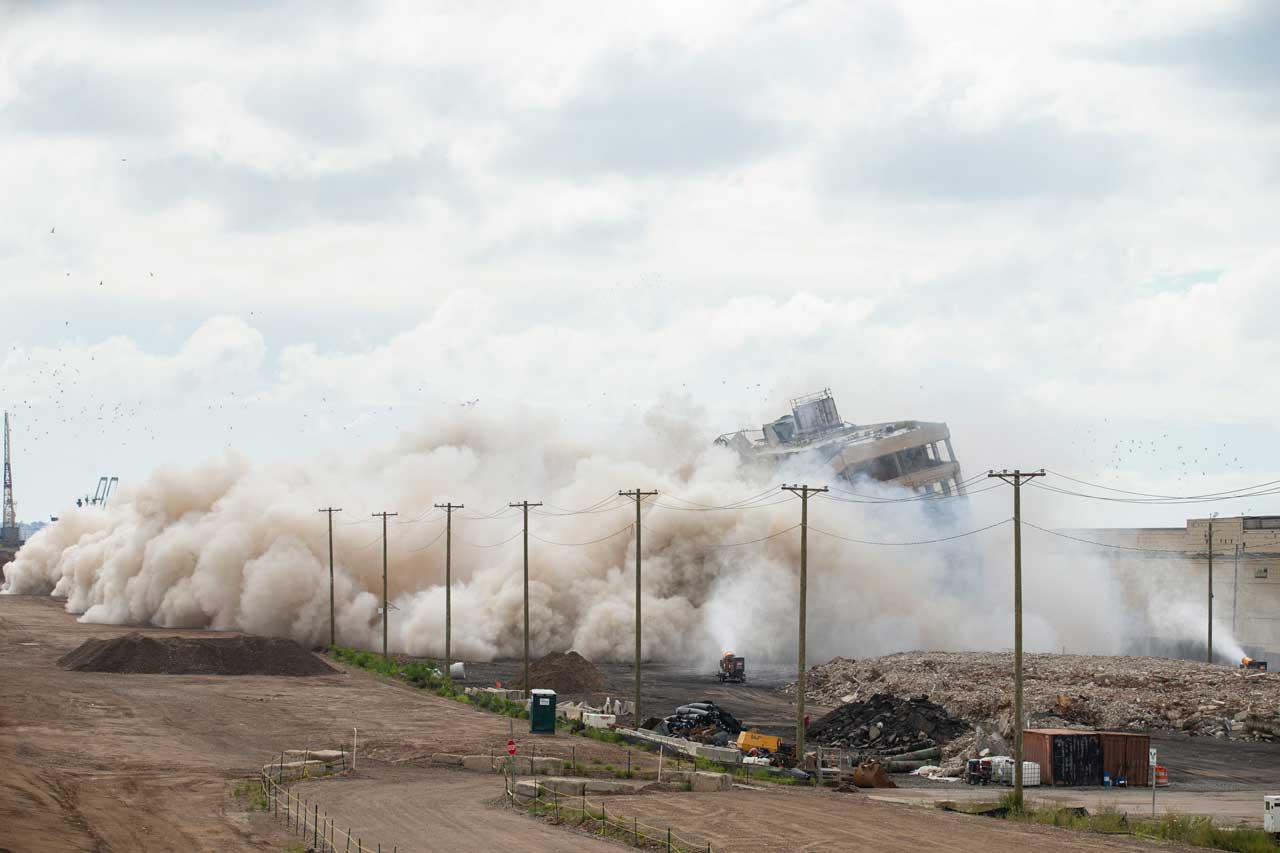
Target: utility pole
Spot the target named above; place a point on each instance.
(1015, 478)
(639, 496)
(386, 613)
(804, 492)
(448, 579)
(525, 506)
(333, 641)
(1208, 653)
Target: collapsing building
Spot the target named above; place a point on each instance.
(909, 454)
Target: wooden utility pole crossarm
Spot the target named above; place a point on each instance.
(804, 492)
(524, 505)
(448, 578)
(1016, 478)
(639, 497)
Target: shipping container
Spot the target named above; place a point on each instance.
(1065, 757)
(1124, 756)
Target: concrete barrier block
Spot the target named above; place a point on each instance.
(526, 790)
(483, 763)
(547, 766)
(606, 786)
(598, 721)
(565, 787)
(676, 777)
(447, 758)
(706, 782)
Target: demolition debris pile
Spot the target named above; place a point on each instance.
(704, 722)
(567, 673)
(1069, 691)
(137, 653)
(888, 725)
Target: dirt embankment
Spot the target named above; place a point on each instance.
(138, 653)
(1135, 693)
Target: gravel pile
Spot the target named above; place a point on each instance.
(1068, 691)
(887, 724)
(567, 673)
(138, 653)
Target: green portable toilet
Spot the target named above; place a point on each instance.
(542, 711)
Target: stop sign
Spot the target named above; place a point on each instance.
(511, 747)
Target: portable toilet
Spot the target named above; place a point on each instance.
(542, 711)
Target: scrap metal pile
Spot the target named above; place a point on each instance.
(887, 725)
(703, 722)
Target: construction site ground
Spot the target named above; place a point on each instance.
(107, 762)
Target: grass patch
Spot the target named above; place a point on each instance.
(1195, 830)
(425, 676)
(250, 795)
(1201, 831)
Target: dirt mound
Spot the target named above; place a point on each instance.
(194, 656)
(566, 673)
(887, 724)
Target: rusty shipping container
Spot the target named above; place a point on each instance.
(1065, 757)
(1124, 756)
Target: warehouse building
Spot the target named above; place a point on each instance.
(1172, 564)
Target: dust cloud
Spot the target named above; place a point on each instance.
(232, 545)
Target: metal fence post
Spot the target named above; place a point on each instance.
(668, 839)
(315, 828)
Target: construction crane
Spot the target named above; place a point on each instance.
(9, 532)
(100, 494)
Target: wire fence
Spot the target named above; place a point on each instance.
(535, 798)
(314, 827)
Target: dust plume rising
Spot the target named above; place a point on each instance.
(228, 544)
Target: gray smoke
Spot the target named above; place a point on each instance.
(232, 545)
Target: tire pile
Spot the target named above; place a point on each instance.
(703, 722)
(887, 725)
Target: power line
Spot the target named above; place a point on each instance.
(916, 542)
(1155, 501)
(1167, 497)
(490, 544)
(924, 497)
(437, 538)
(732, 504)
(731, 544)
(579, 544)
(730, 508)
(934, 496)
(1182, 551)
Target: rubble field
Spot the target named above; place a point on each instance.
(1063, 691)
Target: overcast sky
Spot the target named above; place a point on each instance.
(289, 228)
